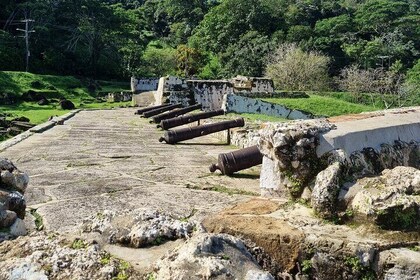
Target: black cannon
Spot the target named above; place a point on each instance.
(230, 163)
(175, 113)
(174, 136)
(141, 111)
(155, 112)
(174, 122)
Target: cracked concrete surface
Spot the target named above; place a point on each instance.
(112, 160)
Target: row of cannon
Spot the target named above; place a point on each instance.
(170, 116)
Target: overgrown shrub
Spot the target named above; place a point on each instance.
(386, 83)
(412, 84)
(294, 69)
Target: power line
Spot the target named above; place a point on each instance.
(27, 31)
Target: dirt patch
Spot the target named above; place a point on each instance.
(278, 239)
(353, 117)
(254, 207)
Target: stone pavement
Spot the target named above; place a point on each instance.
(112, 160)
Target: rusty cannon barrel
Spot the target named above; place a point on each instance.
(175, 113)
(143, 110)
(174, 122)
(158, 111)
(177, 135)
(230, 163)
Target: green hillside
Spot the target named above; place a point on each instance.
(69, 87)
(83, 93)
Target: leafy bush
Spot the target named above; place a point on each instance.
(377, 80)
(293, 69)
(412, 83)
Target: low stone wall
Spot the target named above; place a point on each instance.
(210, 93)
(143, 84)
(119, 96)
(186, 98)
(144, 98)
(13, 185)
(172, 90)
(251, 84)
(356, 132)
(241, 137)
(314, 159)
(37, 129)
(240, 104)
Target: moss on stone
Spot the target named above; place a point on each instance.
(398, 218)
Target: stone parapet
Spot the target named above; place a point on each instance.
(319, 156)
(240, 104)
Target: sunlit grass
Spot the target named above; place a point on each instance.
(53, 87)
(35, 113)
(38, 114)
(322, 105)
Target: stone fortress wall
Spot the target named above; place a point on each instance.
(321, 161)
(139, 85)
(233, 95)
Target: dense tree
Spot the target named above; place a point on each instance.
(247, 56)
(118, 38)
(10, 52)
(413, 79)
(189, 60)
(226, 23)
(158, 60)
(212, 69)
(378, 16)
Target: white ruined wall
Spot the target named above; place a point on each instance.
(119, 96)
(143, 84)
(159, 92)
(241, 104)
(171, 89)
(186, 98)
(262, 85)
(252, 84)
(176, 91)
(144, 98)
(173, 83)
(210, 93)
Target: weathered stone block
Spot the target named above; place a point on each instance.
(270, 180)
(391, 200)
(7, 218)
(326, 189)
(400, 263)
(13, 184)
(14, 180)
(292, 146)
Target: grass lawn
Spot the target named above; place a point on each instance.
(54, 87)
(38, 114)
(322, 105)
(35, 113)
(375, 99)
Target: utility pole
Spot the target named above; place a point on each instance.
(27, 33)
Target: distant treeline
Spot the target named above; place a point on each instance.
(204, 38)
